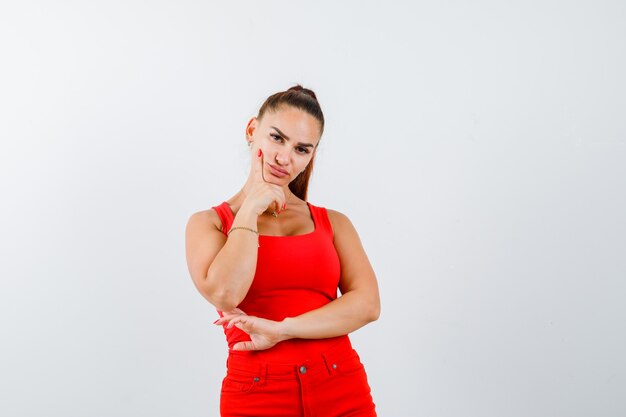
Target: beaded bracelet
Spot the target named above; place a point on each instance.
(244, 228)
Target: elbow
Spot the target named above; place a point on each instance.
(373, 312)
(374, 315)
(222, 298)
(225, 305)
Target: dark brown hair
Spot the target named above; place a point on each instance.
(303, 99)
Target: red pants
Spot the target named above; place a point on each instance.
(332, 385)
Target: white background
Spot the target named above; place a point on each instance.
(478, 147)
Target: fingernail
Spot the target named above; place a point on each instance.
(260, 152)
(216, 321)
(284, 206)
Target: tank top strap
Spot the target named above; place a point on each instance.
(320, 217)
(226, 216)
(319, 214)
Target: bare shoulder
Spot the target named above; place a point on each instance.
(205, 219)
(336, 216)
(340, 223)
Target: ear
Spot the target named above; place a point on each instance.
(251, 127)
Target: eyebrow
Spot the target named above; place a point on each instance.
(287, 137)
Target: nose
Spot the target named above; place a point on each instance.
(282, 157)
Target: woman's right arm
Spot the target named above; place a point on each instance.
(221, 268)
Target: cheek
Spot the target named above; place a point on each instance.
(305, 163)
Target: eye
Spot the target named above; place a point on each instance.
(301, 149)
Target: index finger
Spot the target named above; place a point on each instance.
(257, 162)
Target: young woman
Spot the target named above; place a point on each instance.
(271, 263)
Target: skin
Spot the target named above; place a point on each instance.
(223, 276)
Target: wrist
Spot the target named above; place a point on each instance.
(245, 217)
(285, 329)
(249, 212)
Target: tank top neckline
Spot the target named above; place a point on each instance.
(313, 218)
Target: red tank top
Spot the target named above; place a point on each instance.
(294, 274)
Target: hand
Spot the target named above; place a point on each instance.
(262, 194)
(263, 333)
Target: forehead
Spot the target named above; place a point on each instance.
(297, 124)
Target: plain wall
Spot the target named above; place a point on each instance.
(478, 147)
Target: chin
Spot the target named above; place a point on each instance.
(279, 181)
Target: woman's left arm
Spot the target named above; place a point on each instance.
(358, 305)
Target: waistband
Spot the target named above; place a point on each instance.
(241, 363)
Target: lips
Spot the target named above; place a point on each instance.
(278, 171)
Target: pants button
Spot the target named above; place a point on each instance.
(334, 366)
(303, 369)
(257, 379)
